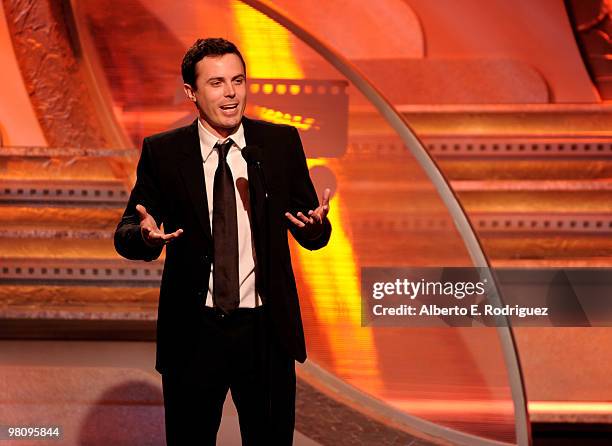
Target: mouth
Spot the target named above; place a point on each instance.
(229, 107)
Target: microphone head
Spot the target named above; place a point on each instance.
(252, 154)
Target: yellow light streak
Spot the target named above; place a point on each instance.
(570, 407)
(265, 45)
(332, 274)
(458, 406)
(278, 117)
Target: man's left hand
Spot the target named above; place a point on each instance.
(312, 225)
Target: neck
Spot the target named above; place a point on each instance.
(220, 132)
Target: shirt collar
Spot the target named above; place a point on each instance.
(208, 140)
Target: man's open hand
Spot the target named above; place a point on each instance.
(312, 225)
(151, 234)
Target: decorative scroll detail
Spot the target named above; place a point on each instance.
(49, 64)
(592, 23)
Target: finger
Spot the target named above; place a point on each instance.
(142, 211)
(150, 226)
(155, 234)
(152, 237)
(304, 218)
(172, 235)
(294, 220)
(316, 215)
(321, 211)
(145, 217)
(326, 195)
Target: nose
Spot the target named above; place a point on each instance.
(230, 92)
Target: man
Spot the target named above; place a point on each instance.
(220, 194)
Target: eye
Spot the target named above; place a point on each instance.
(215, 83)
(239, 81)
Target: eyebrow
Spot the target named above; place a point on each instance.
(219, 78)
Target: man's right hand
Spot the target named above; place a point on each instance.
(151, 234)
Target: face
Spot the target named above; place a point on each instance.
(221, 93)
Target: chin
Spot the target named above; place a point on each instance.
(233, 123)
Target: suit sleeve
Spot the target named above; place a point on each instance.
(303, 195)
(128, 237)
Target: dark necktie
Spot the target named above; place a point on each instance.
(226, 288)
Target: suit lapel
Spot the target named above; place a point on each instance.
(259, 206)
(257, 188)
(192, 172)
(252, 135)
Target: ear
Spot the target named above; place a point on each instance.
(188, 89)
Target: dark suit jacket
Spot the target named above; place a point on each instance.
(170, 184)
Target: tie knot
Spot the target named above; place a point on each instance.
(224, 148)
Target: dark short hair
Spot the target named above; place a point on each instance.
(213, 46)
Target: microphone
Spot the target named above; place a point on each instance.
(253, 155)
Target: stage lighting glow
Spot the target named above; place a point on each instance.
(266, 57)
(278, 117)
(337, 304)
(570, 407)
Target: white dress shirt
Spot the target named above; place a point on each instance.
(249, 297)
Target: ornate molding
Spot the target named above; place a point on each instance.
(49, 62)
